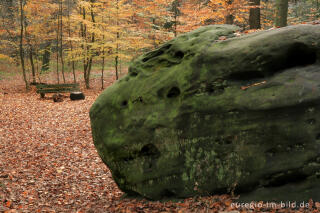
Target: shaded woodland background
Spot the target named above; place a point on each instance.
(64, 36)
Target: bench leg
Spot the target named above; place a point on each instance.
(42, 95)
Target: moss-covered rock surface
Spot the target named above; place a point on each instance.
(203, 115)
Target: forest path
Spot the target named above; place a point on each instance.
(48, 160)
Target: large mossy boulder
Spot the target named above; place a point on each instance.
(210, 113)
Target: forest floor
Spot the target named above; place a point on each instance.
(48, 162)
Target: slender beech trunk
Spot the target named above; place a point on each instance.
(176, 13)
(70, 43)
(281, 13)
(58, 51)
(84, 37)
(116, 67)
(88, 72)
(37, 70)
(74, 72)
(90, 54)
(103, 61)
(120, 67)
(84, 46)
(254, 16)
(32, 66)
(87, 61)
(61, 43)
(116, 59)
(33, 71)
(102, 69)
(46, 57)
(21, 45)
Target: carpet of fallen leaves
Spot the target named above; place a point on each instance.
(48, 162)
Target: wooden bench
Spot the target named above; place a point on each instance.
(57, 88)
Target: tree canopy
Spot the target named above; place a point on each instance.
(83, 31)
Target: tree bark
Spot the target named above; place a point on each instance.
(117, 58)
(281, 13)
(58, 50)
(117, 48)
(84, 47)
(89, 50)
(175, 24)
(102, 69)
(33, 70)
(27, 37)
(254, 16)
(87, 80)
(46, 57)
(21, 50)
(176, 13)
(37, 70)
(116, 66)
(71, 46)
(61, 44)
(88, 58)
(103, 62)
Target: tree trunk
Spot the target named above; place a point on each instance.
(74, 73)
(175, 25)
(254, 16)
(46, 57)
(116, 66)
(281, 13)
(120, 67)
(37, 70)
(84, 37)
(103, 58)
(175, 5)
(61, 47)
(21, 45)
(27, 37)
(92, 41)
(71, 46)
(117, 48)
(58, 52)
(102, 70)
(89, 56)
(32, 66)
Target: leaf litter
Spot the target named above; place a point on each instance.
(48, 162)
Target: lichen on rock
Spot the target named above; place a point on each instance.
(200, 116)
